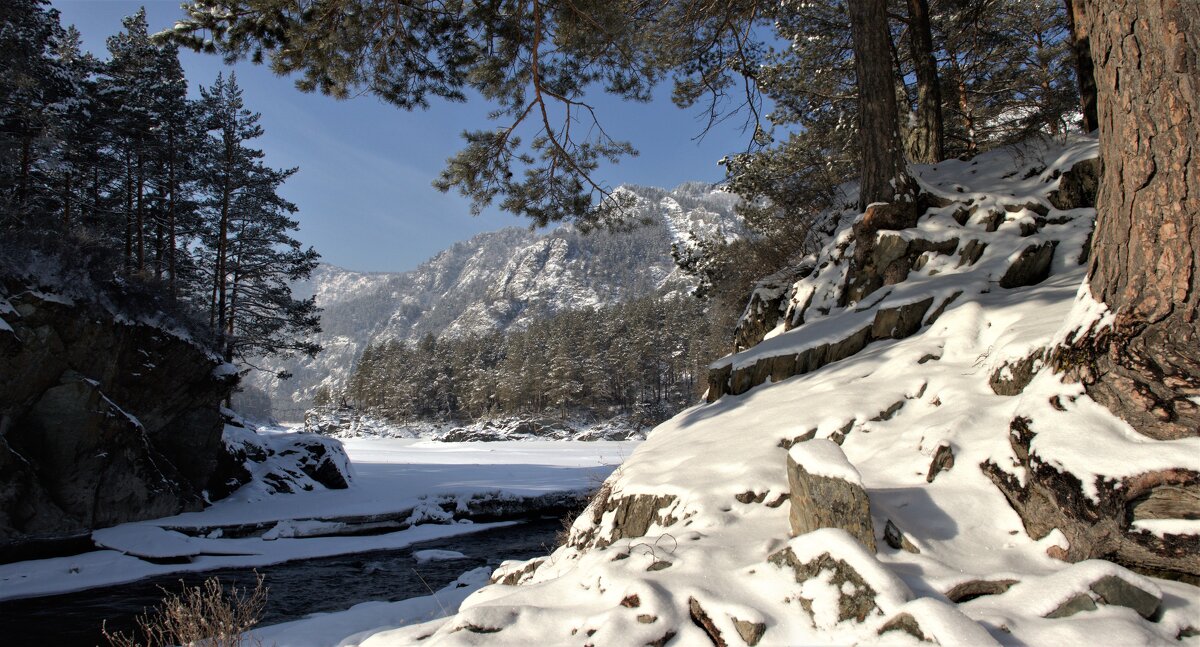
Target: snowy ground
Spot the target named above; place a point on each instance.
(390, 476)
(711, 567)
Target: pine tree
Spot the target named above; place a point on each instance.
(247, 232)
(130, 87)
(35, 85)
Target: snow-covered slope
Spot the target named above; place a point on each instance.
(497, 281)
(690, 541)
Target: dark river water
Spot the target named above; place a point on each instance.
(296, 588)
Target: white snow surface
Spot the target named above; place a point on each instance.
(390, 476)
(822, 457)
(708, 548)
(437, 555)
(369, 622)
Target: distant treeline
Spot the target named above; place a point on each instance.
(110, 166)
(646, 358)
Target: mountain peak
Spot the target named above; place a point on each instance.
(498, 281)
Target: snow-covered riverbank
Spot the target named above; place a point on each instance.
(422, 489)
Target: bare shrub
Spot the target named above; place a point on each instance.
(204, 615)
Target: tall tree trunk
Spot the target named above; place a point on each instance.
(141, 215)
(884, 175)
(233, 302)
(66, 221)
(159, 238)
(1077, 25)
(222, 256)
(1145, 261)
(171, 225)
(968, 115)
(23, 180)
(928, 141)
(95, 190)
(128, 212)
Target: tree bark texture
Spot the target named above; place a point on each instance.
(1145, 257)
(884, 175)
(1085, 74)
(928, 137)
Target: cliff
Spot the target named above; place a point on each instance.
(105, 417)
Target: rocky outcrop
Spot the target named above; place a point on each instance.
(1011, 377)
(855, 597)
(896, 322)
(1103, 525)
(826, 492)
(767, 305)
(891, 257)
(853, 585)
(623, 517)
(1077, 187)
(510, 429)
(1110, 590)
(1031, 267)
(102, 419)
(943, 459)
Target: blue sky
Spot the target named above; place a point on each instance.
(365, 167)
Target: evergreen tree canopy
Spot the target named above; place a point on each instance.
(112, 168)
(535, 61)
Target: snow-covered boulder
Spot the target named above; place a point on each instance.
(826, 492)
(266, 464)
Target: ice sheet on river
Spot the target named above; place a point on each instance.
(410, 482)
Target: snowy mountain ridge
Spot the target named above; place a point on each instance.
(498, 281)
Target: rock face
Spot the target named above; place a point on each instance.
(102, 420)
(895, 322)
(1031, 267)
(834, 498)
(857, 605)
(767, 305)
(281, 463)
(623, 517)
(510, 429)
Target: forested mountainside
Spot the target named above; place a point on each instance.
(497, 282)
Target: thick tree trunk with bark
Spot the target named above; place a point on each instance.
(1145, 261)
(884, 175)
(1084, 69)
(928, 136)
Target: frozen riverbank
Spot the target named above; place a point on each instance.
(404, 491)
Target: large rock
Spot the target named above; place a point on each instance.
(1078, 186)
(826, 492)
(92, 459)
(890, 260)
(104, 419)
(1031, 267)
(611, 518)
